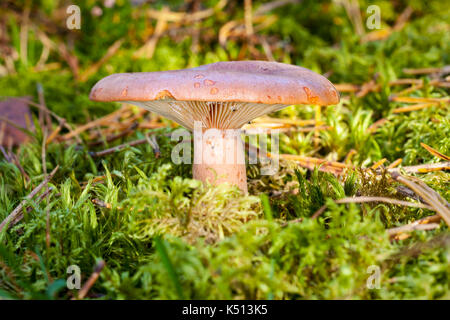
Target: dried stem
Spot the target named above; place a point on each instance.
(18, 210)
(373, 199)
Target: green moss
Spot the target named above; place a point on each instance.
(164, 235)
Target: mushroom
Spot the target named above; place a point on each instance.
(215, 101)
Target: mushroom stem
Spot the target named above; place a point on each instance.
(219, 157)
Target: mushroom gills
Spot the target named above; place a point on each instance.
(211, 114)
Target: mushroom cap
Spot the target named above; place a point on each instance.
(234, 81)
(223, 95)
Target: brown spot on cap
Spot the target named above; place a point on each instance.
(199, 76)
(309, 95)
(164, 94)
(334, 93)
(214, 90)
(125, 92)
(197, 85)
(208, 82)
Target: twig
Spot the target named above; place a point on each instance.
(55, 132)
(395, 163)
(124, 133)
(90, 282)
(354, 14)
(403, 18)
(117, 148)
(346, 87)
(19, 208)
(367, 87)
(154, 144)
(196, 28)
(416, 100)
(423, 168)
(439, 241)
(44, 116)
(47, 209)
(286, 223)
(434, 152)
(5, 154)
(38, 106)
(186, 17)
(92, 124)
(24, 33)
(423, 71)
(16, 162)
(378, 163)
(28, 210)
(248, 18)
(147, 50)
(108, 55)
(313, 160)
(266, 7)
(373, 199)
(415, 107)
(429, 195)
(416, 225)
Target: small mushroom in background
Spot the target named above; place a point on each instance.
(219, 98)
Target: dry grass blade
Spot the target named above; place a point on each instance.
(264, 8)
(378, 163)
(18, 210)
(45, 194)
(90, 282)
(415, 107)
(248, 17)
(422, 71)
(186, 17)
(424, 168)
(426, 223)
(55, 133)
(347, 87)
(368, 87)
(106, 119)
(109, 54)
(431, 197)
(122, 134)
(394, 164)
(317, 161)
(117, 148)
(151, 139)
(373, 199)
(416, 99)
(405, 81)
(354, 13)
(434, 152)
(147, 50)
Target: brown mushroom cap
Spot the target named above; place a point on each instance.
(222, 94)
